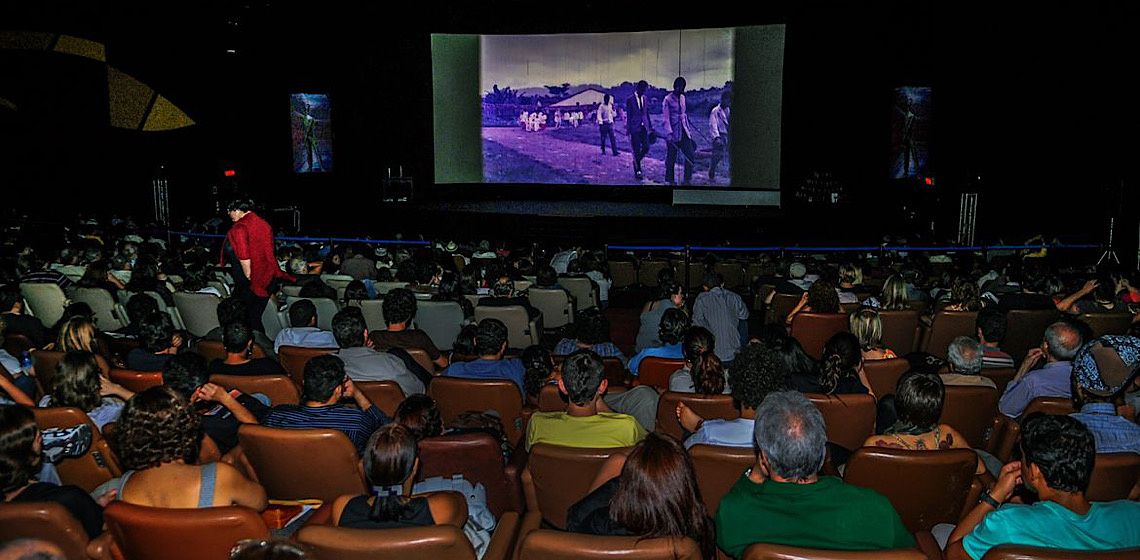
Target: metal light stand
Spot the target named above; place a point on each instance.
(967, 218)
(1108, 252)
(161, 197)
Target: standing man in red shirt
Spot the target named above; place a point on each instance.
(249, 251)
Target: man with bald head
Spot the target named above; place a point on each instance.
(1052, 379)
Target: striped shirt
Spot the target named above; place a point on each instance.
(358, 425)
(47, 277)
(568, 346)
(721, 311)
(1113, 434)
(995, 358)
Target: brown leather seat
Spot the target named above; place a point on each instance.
(421, 357)
(137, 381)
(456, 395)
(623, 273)
(302, 464)
(718, 468)
(216, 350)
(294, 358)
(1013, 552)
(945, 326)
(50, 522)
(44, 362)
(556, 545)
(279, 388)
(91, 469)
(1108, 323)
(1000, 376)
(1113, 477)
(813, 330)
(556, 477)
(883, 375)
(615, 371)
(647, 271)
(971, 411)
(781, 306)
(1049, 405)
(445, 542)
(900, 330)
(1024, 330)
(926, 487)
(142, 532)
(385, 394)
(850, 419)
(706, 406)
(764, 551)
(655, 371)
(478, 457)
(16, 344)
(550, 399)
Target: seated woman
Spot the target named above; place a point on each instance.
(98, 275)
(547, 279)
(355, 292)
(391, 461)
(538, 372)
(892, 298)
(1103, 298)
(867, 326)
(591, 330)
(158, 439)
(21, 456)
(703, 372)
(451, 289)
(78, 334)
(821, 297)
(672, 297)
(78, 382)
(964, 295)
(237, 338)
(195, 282)
(651, 493)
(674, 324)
(146, 277)
(850, 282)
(839, 373)
(918, 404)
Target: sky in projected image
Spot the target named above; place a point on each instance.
(703, 56)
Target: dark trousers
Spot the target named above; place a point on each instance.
(720, 149)
(254, 303)
(607, 129)
(688, 149)
(639, 145)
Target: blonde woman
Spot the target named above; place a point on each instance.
(867, 326)
(850, 283)
(893, 296)
(78, 333)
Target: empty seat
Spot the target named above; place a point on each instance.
(456, 395)
(142, 532)
(294, 358)
(813, 330)
(582, 290)
(781, 306)
(302, 464)
(521, 330)
(557, 477)
(279, 388)
(556, 545)
(883, 375)
(136, 381)
(945, 326)
(91, 469)
(1113, 477)
(971, 411)
(46, 521)
(850, 419)
(731, 271)
(554, 305)
(649, 269)
(373, 311)
(109, 315)
(1101, 323)
(441, 320)
(326, 309)
(385, 394)
(1024, 330)
(623, 273)
(479, 459)
(655, 371)
(926, 487)
(199, 312)
(272, 321)
(706, 406)
(718, 468)
(900, 330)
(45, 300)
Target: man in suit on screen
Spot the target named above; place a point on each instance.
(638, 125)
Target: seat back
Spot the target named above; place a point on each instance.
(655, 371)
(108, 313)
(813, 330)
(441, 320)
(181, 533)
(556, 545)
(45, 362)
(1024, 330)
(731, 271)
(136, 381)
(1000, 376)
(385, 287)
(1012, 552)
(456, 395)
(647, 272)
(45, 300)
(947, 325)
(623, 273)
(971, 411)
(1050, 405)
(615, 371)
(279, 388)
(199, 312)
(718, 468)
(373, 311)
(706, 406)
(1113, 477)
(1101, 323)
(216, 350)
(91, 469)
(302, 464)
(327, 308)
(557, 477)
(554, 305)
(883, 375)
(294, 358)
(385, 394)
(443, 542)
(272, 321)
(478, 457)
(550, 399)
(519, 331)
(900, 330)
(782, 305)
(291, 291)
(850, 419)
(765, 551)
(926, 487)
(422, 359)
(43, 521)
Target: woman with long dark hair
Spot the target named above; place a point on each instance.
(703, 373)
(840, 372)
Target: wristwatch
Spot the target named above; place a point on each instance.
(987, 498)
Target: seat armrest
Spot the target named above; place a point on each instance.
(928, 545)
(1010, 433)
(531, 522)
(513, 473)
(502, 545)
(100, 547)
(322, 516)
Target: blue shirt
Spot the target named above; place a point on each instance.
(670, 351)
(729, 433)
(1052, 380)
(1108, 525)
(490, 369)
(358, 425)
(1113, 434)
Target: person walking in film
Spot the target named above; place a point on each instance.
(638, 125)
(678, 135)
(309, 140)
(606, 123)
(718, 125)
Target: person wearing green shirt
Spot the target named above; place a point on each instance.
(782, 500)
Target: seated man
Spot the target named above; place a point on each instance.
(159, 343)
(1058, 453)
(138, 306)
(325, 384)
(361, 361)
(186, 375)
(991, 325)
(303, 331)
(490, 344)
(239, 360)
(587, 421)
(399, 310)
(671, 331)
(503, 295)
(966, 359)
(1102, 372)
(235, 310)
(15, 321)
(756, 372)
(1061, 342)
(781, 500)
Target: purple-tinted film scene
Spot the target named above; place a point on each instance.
(646, 108)
(312, 132)
(910, 133)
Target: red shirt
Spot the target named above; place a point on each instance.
(251, 238)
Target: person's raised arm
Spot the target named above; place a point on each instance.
(213, 392)
(14, 392)
(1067, 303)
(1009, 478)
(357, 395)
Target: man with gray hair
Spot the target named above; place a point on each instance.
(965, 356)
(1061, 342)
(782, 500)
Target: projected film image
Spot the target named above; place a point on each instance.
(312, 132)
(910, 133)
(640, 108)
